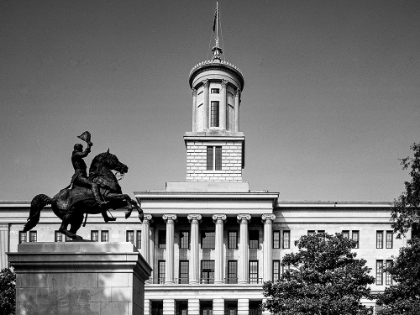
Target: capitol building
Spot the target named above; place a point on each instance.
(210, 240)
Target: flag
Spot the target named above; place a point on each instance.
(215, 20)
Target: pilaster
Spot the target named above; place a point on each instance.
(168, 307)
(223, 105)
(218, 307)
(237, 102)
(194, 110)
(243, 306)
(193, 307)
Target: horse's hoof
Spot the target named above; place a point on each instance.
(109, 220)
(78, 238)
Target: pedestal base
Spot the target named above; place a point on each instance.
(79, 278)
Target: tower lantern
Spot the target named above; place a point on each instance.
(215, 146)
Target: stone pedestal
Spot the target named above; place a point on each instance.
(80, 278)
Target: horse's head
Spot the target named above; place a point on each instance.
(110, 161)
(113, 163)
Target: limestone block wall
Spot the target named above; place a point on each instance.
(231, 161)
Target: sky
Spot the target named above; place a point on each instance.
(331, 98)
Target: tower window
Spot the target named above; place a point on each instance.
(214, 114)
(215, 91)
(214, 158)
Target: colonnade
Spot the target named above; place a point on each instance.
(194, 264)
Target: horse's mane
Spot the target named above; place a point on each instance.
(99, 160)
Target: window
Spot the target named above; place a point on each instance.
(181, 308)
(32, 236)
(104, 236)
(285, 268)
(214, 158)
(311, 232)
(207, 271)
(162, 239)
(388, 277)
(254, 308)
(389, 238)
(286, 239)
(253, 271)
(161, 271)
(233, 239)
(206, 308)
(214, 114)
(231, 308)
(157, 307)
(94, 236)
(346, 234)
(22, 237)
(254, 239)
(379, 239)
(207, 239)
(379, 272)
(215, 91)
(184, 241)
(232, 271)
(130, 237)
(58, 237)
(276, 239)
(355, 237)
(183, 271)
(276, 270)
(138, 240)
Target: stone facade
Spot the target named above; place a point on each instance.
(231, 164)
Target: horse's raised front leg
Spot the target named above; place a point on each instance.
(122, 200)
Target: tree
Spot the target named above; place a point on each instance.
(7, 292)
(325, 279)
(406, 210)
(404, 296)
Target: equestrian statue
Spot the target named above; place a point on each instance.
(95, 193)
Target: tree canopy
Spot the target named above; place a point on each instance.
(325, 278)
(406, 210)
(7, 292)
(404, 296)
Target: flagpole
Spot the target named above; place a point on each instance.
(217, 24)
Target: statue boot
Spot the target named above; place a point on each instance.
(95, 191)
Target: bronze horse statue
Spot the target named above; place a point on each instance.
(70, 205)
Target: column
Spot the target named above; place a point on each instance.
(218, 307)
(268, 219)
(237, 101)
(168, 307)
(169, 259)
(243, 306)
(4, 245)
(206, 105)
(218, 266)
(194, 110)
(222, 109)
(194, 258)
(145, 237)
(243, 248)
(193, 307)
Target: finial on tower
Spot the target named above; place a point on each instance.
(217, 51)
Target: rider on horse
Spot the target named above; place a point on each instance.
(80, 175)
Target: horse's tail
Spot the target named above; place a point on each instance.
(37, 204)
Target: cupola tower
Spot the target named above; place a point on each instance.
(215, 145)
